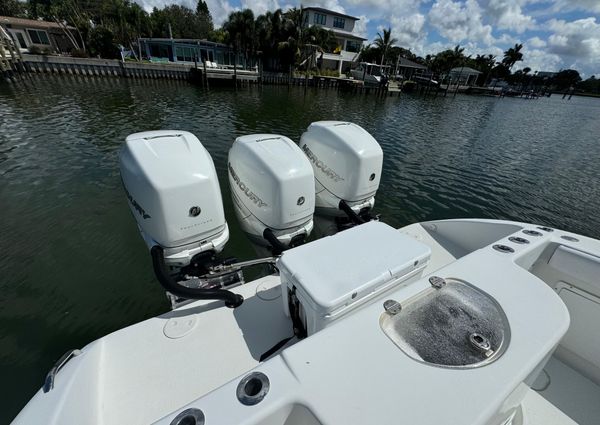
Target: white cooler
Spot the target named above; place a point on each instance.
(325, 279)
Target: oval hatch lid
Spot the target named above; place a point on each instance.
(453, 325)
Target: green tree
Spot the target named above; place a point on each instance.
(102, 43)
(369, 53)
(484, 64)
(12, 8)
(384, 41)
(240, 28)
(566, 79)
(184, 22)
(591, 85)
(444, 61)
(512, 56)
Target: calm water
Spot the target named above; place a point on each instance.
(73, 267)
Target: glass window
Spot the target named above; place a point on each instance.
(44, 37)
(21, 40)
(179, 53)
(353, 46)
(339, 22)
(38, 37)
(320, 19)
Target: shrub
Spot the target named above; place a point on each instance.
(79, 53)
(102, 43)
(35, 50)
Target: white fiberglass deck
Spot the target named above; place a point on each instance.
(347, 373)
(137, 374)
(570, 391)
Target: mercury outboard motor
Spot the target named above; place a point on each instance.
(174, 195)
(272, 186)
(347, 163)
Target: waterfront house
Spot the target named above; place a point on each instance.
(189, 51)
(407, 69)
(464, 76)
(348, 42)
(50, 37)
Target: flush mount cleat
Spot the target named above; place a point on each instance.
(392, 307)
(437, 282)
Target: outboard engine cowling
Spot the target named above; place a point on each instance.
(174, 194)
(347, 163)
(272, 186)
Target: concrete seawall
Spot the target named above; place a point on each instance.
(142, 70)
(104, 67)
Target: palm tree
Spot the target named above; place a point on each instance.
(485, 64)
(384, 42)
(512, 56)
(240, 32)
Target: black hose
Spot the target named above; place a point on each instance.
(354, 218)
(276, 244)
(231, 299)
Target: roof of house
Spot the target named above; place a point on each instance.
(344, 33)
(406, 63)
(30, 23)
(465, 70)
(188, 41)
(330, 12)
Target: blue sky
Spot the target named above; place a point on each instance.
(556, 34)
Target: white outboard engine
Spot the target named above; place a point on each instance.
(174, 195)
(272, 186)
(347, 162)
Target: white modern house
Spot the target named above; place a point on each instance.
(349, 43)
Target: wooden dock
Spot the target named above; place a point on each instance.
(326, 82)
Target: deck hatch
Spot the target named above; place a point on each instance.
(455, 326)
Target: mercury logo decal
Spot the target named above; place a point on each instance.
(135, 204)
(319, 164)
(195, 211)
(251, 195)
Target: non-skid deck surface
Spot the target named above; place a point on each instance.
(571, 392)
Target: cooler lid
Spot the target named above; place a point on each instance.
(340, 269)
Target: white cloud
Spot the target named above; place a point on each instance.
(586, 5)
(508, 15)
(506, 38)
(360, 27)
(458, 21)
(579, 39)
(409, 30)
(473, 49)
(383, 8)
(219, 9)
(259, 7)
(539, 60)
(536, 42)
